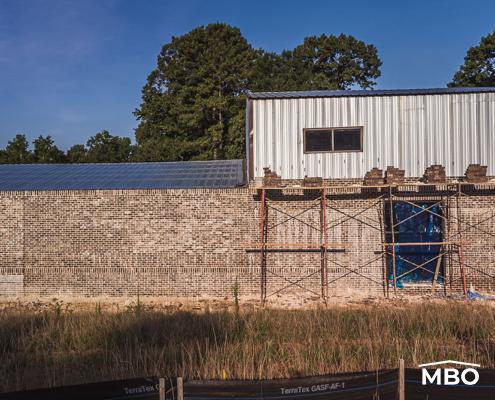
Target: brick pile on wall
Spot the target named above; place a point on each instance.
(476, 173)
(374, 177)
(312, 182)
(394, 176)
(434, 174)
(271, 179)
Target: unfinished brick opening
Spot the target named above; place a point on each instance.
(417, 234)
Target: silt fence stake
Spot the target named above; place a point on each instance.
(402, 380)
(180, 389)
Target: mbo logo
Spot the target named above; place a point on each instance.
(450, 376)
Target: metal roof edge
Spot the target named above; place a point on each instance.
(366, 93)
(127, 162)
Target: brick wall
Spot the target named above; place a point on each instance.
(194, 243)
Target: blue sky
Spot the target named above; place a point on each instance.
(73, 68)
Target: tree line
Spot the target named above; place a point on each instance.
(193, 102)
(102, 147)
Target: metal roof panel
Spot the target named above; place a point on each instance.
(107, 176)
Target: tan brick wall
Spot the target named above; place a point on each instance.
(192, 243)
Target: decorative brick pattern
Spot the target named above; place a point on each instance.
(199, 243)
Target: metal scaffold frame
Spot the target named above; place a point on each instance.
(448, 196)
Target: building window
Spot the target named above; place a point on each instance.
(324, 140)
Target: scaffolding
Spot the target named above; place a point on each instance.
(450, 197)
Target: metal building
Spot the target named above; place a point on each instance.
(344, 134)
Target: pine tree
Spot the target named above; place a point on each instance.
(479, 65)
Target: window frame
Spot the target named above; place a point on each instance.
(332, 129)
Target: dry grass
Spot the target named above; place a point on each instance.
(43, 346)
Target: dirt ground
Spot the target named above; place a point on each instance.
(205, 304)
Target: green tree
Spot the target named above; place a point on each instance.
(77, 154)
(333, 62)
(164, 148)
(45, 151)
(479, 65)
(103, 147)
(319, 63)
(195, 92)
(193, 102)
(271, 72)
(17, 151)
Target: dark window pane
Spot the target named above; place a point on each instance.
(318, 140)
(347, 139)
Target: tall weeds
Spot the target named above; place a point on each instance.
(60, 346)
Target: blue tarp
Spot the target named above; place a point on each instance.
(414, 225)
(471, 295)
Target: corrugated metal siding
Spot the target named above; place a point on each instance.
(409, 132)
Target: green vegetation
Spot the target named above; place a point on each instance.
(52, 345)
(478, 68)
(102, 147)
